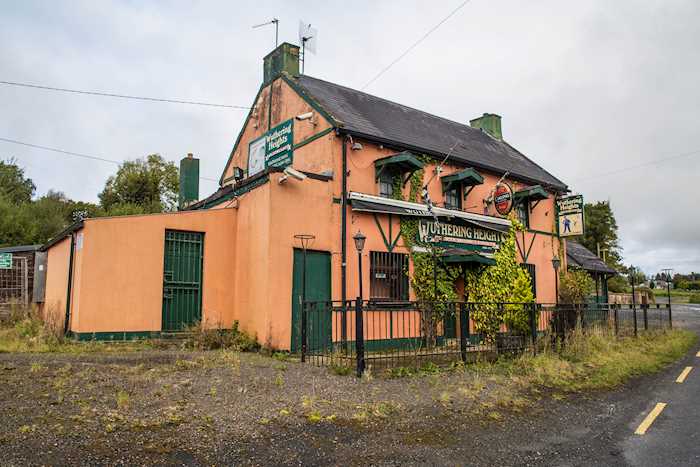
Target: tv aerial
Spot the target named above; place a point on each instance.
(274, 21)
(308, 37)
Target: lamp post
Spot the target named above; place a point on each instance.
(556, 262)
(632, 272)
(359, 239)
(359, 325)
(667, 272)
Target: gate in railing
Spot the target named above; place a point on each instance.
(389, 334)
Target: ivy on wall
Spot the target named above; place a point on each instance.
(504, 282)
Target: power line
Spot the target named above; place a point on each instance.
(77, 154)
(639, 166)
(415, 44)
(122, 96)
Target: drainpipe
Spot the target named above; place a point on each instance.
(343, 238)
(66, 326)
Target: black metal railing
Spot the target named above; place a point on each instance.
(355, 334)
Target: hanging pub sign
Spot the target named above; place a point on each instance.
(273, 149)
(468, 236)
(570, 216)
(503, 198)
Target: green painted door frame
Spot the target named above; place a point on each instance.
(318, 288)
(182, 279)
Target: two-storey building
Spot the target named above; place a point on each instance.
(318, 159)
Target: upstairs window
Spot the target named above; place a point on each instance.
(522, 210)
(453, 200)
(386, 185)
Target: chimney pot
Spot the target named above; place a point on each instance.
(490, 123)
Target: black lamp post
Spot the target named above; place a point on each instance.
(359, 239)
(667, 275)
(556, 262)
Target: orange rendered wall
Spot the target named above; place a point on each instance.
(118, 280)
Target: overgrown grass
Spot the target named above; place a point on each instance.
(598, 361)
(218, 338)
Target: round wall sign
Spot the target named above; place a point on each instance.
(503, 198)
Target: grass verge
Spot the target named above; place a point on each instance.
(597, 361)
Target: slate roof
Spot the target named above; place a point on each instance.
(382, 120)
(579, 256)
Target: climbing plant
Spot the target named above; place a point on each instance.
(504, 282)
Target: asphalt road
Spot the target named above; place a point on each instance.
(600, 429)
(673, 438)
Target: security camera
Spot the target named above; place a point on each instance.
(294, 173)
(305, 116)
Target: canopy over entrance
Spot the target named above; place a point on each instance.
(459, 256)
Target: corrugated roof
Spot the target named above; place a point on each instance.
(374, 117)
(579, 256)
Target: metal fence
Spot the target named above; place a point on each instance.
(14, 284)
(391, 334)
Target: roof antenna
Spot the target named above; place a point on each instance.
(308, 37)
(274, 21)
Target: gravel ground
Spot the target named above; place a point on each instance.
(172, 407)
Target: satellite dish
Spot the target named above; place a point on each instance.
(308, 37)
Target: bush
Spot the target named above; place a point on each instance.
(575, 286)
(217, 338)
(694, 298)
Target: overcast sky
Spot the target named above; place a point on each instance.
(594, 91)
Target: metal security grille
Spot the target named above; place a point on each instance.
(182, 279)
(14, 284)
(388, 276)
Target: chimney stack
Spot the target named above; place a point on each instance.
(285, 58)
(189, 181)
(490, 123)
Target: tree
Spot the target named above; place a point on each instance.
(601, 229)
(142, 186)
(14, 186)
(575, 285)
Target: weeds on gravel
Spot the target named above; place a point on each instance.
(202, 338)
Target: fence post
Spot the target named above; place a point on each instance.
(359, 337)
(617, 326)
(533, 326)
(670, 320)
(463, 330)
(645, 308)
(304, 309)
(634, 313)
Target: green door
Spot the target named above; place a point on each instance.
(182, 279)
(318, 288)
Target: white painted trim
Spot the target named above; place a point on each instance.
(422, 207)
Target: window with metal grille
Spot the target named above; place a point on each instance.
(388, 276)
(522, 210)
(386, 185)
(452, 199)
(530, 268)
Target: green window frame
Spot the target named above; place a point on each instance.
(386, 184)
(453, 200)
(522, 210)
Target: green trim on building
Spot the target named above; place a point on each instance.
(533, 193)
(403, 162)
(238, 192)
(309, 99)
(240, 134)
(118, 335)
(313, 138)
(469, 177)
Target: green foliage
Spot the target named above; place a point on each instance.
(600, 228)
(617, 284)
(694, 298)
(152, 184)
(575, 285)
(14, 186)
(506, 281)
